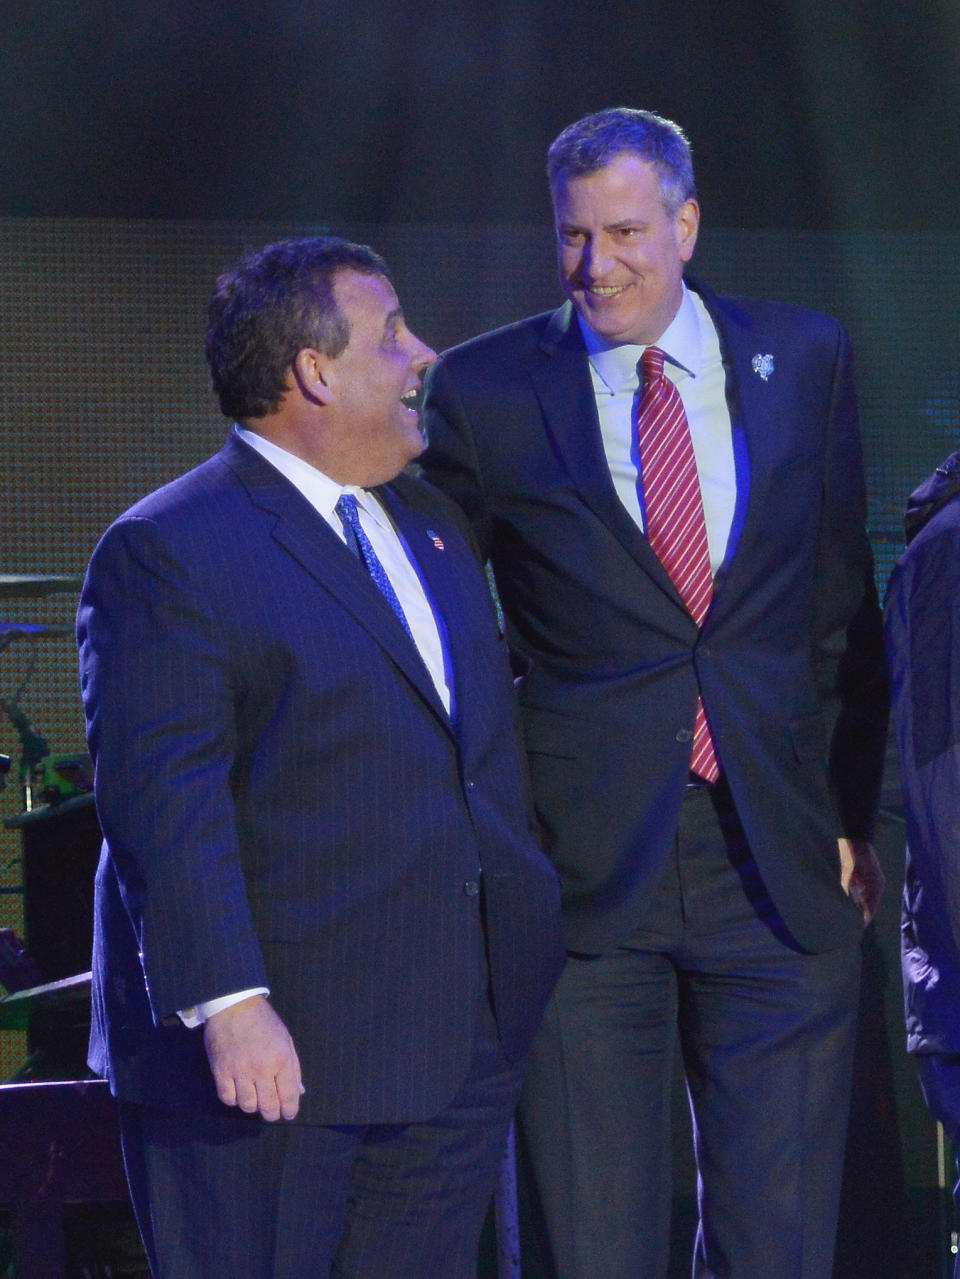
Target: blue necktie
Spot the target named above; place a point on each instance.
(359, 544)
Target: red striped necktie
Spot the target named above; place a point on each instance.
(676, 529)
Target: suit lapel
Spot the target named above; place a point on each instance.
(440, 563)
(754, 407)
(305, 535)
(564, 388)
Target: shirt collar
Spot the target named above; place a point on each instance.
(616, 365)
(319, 489)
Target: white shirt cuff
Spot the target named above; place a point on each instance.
(197, 1014)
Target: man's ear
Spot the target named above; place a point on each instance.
(311, 371)
(686, 227)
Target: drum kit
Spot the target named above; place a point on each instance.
(33, 586)
(26, 1001)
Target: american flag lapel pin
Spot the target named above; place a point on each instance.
(435, 538)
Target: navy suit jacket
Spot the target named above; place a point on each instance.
(789, 660)
(286, 803)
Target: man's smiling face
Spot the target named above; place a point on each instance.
(621, 253)
(375, 420)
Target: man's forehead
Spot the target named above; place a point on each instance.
(629, 168)
(366, 290)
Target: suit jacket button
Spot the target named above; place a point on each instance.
(471, 888)
(684, 735)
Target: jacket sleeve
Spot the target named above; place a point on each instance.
(847, 628)
(451, 461)
(160, 709)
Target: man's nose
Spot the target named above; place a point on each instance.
(421, 355)
(596, 260)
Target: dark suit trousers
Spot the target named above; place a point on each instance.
(230, 1197)
(766, 1035)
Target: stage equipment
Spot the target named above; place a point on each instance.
(17, 968)
(34, 585)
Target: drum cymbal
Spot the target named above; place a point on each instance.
(33, 585)
(26, 630)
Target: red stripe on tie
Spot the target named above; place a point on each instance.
(676, 529)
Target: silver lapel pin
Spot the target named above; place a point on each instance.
(763, 364)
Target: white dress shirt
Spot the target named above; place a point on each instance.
(694, 364)
(323, 493)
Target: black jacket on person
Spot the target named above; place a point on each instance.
(923, 640)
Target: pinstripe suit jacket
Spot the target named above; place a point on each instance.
(285, 801)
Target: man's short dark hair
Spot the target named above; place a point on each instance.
(270, 307)
(591, 144)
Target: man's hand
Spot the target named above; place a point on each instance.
(861, 875)
(253, 1060)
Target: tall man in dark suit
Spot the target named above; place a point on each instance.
(669, 487)
(318, 900)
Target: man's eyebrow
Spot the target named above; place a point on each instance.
(392, 317)
(622, 224)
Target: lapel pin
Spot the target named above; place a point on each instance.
(763, 364)
(435, 539)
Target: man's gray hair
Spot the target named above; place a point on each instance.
(591, 144)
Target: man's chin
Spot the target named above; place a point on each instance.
(420, 441)
(414, 449)
(602, 316)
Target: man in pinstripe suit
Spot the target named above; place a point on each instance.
(318, 901)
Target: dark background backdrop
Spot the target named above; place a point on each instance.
(816, 114)
(143, 145)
